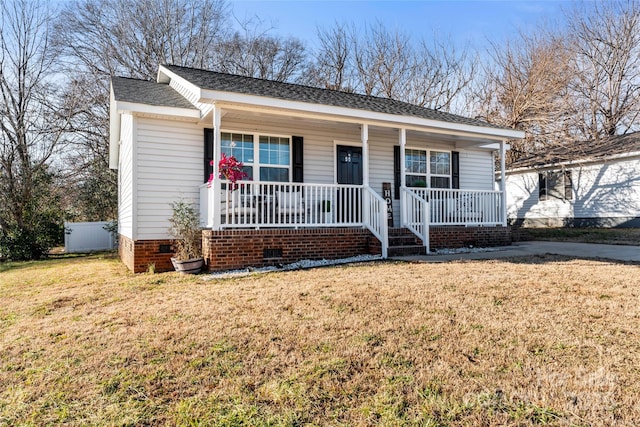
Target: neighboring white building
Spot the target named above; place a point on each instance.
(587, 184)
(318, 160)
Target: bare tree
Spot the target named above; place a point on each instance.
(441, 76)
(381, 62)
(121, 37)
(605, 40)
(255, 53)
(101, 38)
(526, 88)
(33, 119)
(333, 59)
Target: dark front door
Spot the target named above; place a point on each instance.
(349, 169)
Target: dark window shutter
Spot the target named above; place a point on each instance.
(568, 186)
(208, 153)
(396, 172)
(542, 186)
(298, 158)
(455, 170)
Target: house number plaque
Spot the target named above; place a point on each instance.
(386, 195)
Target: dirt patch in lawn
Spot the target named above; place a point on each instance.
(544, 340)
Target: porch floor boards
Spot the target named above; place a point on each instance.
(403, 242)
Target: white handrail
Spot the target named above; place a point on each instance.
(376, 217)
(415, 214)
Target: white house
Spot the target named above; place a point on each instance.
(586, 184)
(317, 160)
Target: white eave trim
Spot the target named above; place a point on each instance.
(166, 76)
(622, 156)
(122, 106)
(213, 96)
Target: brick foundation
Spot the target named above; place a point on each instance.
(139, 255)
(461, 237)
(229, 249)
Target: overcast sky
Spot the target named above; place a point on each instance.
(466, 22)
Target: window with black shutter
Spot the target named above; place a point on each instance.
(557, 185)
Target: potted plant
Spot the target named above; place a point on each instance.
(187, 238)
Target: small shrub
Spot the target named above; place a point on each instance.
(185, 230)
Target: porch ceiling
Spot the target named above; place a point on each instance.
(254, 119)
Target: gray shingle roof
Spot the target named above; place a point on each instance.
(293, 92)
(581, 151)
(148, 92)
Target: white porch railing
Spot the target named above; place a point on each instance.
(463, 207)
(255, 204)
(375, 219)
(414, 208)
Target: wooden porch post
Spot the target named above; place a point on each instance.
(364, 137)
(216, 187)
(503, 207)
(365, 199)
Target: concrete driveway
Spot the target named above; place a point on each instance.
(579, 250)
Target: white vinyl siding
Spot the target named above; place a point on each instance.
(476, 170)
(381, 142)
(125, 177)
(607, 190)
(168, 155)
(604, 190)
(169, 168)
(318, 151)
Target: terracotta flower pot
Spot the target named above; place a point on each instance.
(188, 266)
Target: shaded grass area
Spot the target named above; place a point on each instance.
(612, 236)
(543, 340)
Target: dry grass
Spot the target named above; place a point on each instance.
(514, 342)
(611, 236)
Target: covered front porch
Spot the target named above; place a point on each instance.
(261, 205)
(342, 172)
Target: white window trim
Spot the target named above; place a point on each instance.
(256, 165)
(429, 175)
(426, 174)
(435, 175)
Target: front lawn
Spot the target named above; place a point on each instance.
(546, 340)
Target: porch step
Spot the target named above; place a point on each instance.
(402, 242)
(406, 250)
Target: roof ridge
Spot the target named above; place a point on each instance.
(133, 78)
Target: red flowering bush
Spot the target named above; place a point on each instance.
(230, 169)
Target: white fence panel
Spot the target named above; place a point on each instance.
(87, 236)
